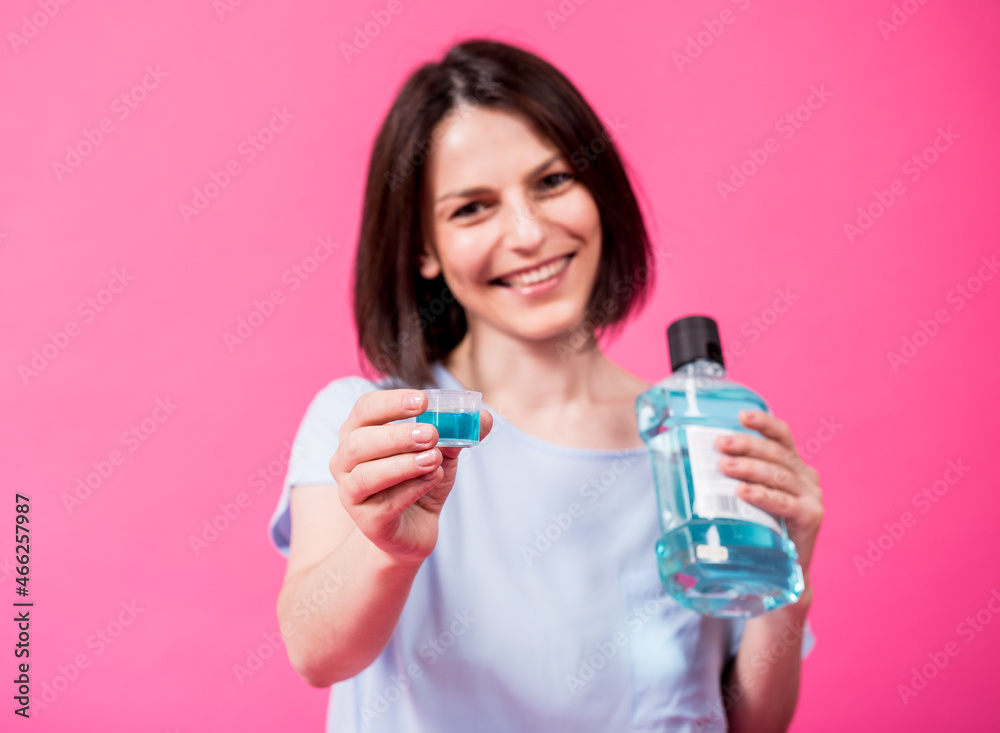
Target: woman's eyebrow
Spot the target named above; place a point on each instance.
(483, 189)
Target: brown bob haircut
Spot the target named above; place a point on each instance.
(406, 322)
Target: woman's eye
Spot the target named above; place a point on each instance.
(554, 180)
(551, 181)
(467, 210)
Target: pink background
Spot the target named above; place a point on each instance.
(161, 336)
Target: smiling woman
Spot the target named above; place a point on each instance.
(483, 257)
(483, 141)
(522, 253)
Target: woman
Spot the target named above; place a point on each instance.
(511, 586)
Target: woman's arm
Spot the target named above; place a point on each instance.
(342, 595)
(762, 685)
(357, 544)
(763, 681)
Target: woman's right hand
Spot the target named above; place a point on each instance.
(390, 495)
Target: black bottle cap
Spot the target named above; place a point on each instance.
(693, 337)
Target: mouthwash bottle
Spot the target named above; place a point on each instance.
(718, 554)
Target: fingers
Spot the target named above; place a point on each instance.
(382, 406)
(744, 444)
(759, 471)
(804, 511)
(371, 477)
(769, 426)
(777, 446)
(773, 501)
(392, 502)
(371, 442)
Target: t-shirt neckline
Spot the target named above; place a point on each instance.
(446, 377)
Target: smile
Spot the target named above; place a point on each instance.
(535, 275)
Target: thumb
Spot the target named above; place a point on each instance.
(485, 426)
(485, 423)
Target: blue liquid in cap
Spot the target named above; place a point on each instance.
(454, 428)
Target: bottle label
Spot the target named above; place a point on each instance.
(715, 492)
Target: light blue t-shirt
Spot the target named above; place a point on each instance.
(540, 608)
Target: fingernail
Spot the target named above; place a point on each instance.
(727, 462)
(425, 459)
(412, 400)
(725, 441)
(422, 433)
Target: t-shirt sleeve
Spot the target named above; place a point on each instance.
(808, 639)
(314, 445)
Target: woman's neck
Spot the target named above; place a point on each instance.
(540, 374)
(559, 394)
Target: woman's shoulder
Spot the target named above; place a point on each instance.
(622, 384)
(339, 394)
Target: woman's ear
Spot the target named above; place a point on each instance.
(430, 268)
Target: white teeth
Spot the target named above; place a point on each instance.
(537, 275)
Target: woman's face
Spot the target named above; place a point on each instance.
(516, 235)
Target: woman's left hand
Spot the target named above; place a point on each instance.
(775, 479)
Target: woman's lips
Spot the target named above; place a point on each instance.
(543, 286)
(554, 267)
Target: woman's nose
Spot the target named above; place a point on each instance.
(524, 226)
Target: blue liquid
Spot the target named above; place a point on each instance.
(454, 428)
(721, 566)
